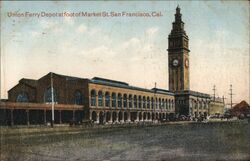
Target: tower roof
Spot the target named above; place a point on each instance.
(178, 24)
(178, 9)
(178, 14)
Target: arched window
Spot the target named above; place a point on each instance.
(159, 103)
(22, 97)
(100, 98)
(200, 104)
(148, 102)
(107, 99)
(162, 104)
(125, 100)
(139, 100)
(93, 98)
(113, 100)
(172, 104)
(205, 105)
(152, 103)
(135, 101)
(156, 103)
(78, 98)
(166, 104)
(119, 100)
(130, 101)
(144, 102)
(48, 95)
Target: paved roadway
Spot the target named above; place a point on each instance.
(211, 141)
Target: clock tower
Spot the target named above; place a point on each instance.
(178, 55)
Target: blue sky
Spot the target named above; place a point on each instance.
(128, 49)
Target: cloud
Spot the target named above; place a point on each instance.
(82, 28)
(151, 31)
(137, 45)
(100, 52)
(34, 33)
(69, 21)
(48, 24)
(133, 42)
(94, 31)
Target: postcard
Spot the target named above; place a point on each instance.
(125, 80)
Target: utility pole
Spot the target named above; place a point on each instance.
(52, 101)
(223, 98)
(214, 89)
(231, 95)
(155, 104)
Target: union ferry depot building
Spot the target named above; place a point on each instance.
(110, 101)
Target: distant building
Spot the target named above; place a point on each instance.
(241, 109)
(107, 101)
(216, 106)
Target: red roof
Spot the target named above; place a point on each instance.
(242, 105)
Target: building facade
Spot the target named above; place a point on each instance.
(102, 100)
(109, 101)
(113, 101)
(216, 106)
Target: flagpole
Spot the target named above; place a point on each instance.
(52, 101)
(155, 104)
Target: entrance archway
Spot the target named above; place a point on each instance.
(133, 116)
(149, 116)
(114, 115)
(125, 116)
(108, 115)
(101, 117)
(120, 116)
(167, 116)
(144, 116)
(163, 116)
(140, 116)
(156, 116)
(94, 116)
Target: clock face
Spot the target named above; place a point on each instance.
(186, 63)
(175, 62)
